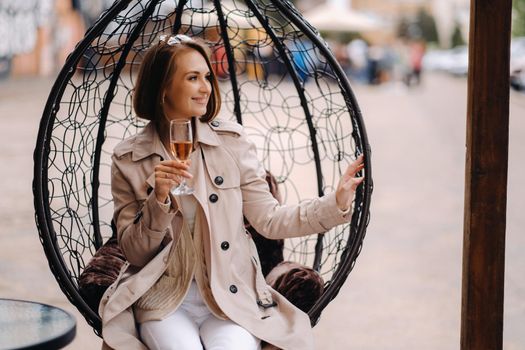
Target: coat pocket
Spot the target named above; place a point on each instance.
(262, 290)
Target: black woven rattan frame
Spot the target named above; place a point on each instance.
(278, 78)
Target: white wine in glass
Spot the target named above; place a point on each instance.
(181, 144)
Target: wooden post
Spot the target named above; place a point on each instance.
(486, 175)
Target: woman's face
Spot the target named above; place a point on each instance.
(188, 93)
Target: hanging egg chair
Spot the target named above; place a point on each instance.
(277, 77)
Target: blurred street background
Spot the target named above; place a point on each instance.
(407, 62)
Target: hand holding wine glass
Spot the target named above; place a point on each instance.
(181, 145)
(167, 175)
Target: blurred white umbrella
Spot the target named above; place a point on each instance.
(236, 15)
(203, 14)
(333, 18)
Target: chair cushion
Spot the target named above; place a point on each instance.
(301, 285)
(101, 271)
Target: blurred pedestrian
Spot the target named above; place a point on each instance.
(358, 59)
(416, 53)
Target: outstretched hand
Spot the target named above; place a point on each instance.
(348, 184)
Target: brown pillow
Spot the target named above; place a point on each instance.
(101, 271)
(301, 285)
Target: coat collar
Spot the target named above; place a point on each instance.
(147, 142)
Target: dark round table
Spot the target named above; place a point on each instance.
(31, 325)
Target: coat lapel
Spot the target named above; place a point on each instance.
(204, 135)
(199, 181)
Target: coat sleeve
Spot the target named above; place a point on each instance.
(276, 221)
(141, 223)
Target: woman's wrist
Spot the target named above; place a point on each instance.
(165, 205)
(161, 199)
(341, 205)
(344, 211)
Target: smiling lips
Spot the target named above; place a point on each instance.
(200, 100)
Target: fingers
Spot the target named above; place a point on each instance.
(176, 163)
(355, 167)
(349, 179)
(171, 173)
(357, 181)
(172, 169)
(352, 183)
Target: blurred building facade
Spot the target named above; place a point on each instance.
(450, 14)
(447, 14)
(391, 9)
(37, 35)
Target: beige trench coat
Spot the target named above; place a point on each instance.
(229, 182)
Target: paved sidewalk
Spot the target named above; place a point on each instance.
(405, 291)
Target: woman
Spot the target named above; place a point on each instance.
(192, 274)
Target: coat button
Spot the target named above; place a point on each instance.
(215, 123)
(225, 245)
(213, 198)
(218, 180)
(233, 288)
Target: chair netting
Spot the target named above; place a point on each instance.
(277, 77)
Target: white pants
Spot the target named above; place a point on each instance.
(192, 325)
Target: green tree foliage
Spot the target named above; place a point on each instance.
(422, 26)
(428, 26)
(457, 37)
(518, 17)
(402, 28)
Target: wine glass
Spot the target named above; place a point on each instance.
(181, 144)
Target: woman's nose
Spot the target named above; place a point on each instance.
(205, 86)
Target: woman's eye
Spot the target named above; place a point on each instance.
(193, 77)
(208, 77)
